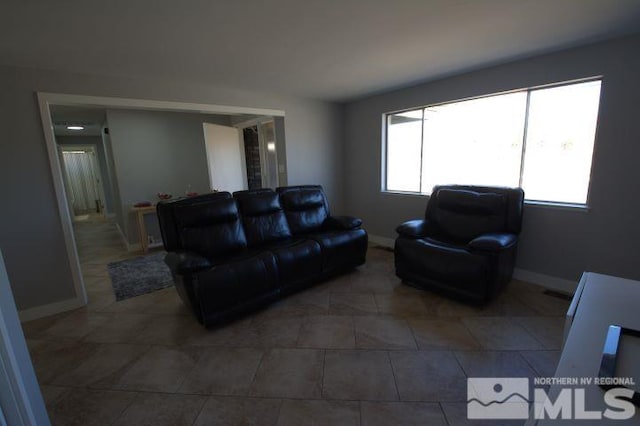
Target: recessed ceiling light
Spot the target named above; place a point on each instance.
(75, 127)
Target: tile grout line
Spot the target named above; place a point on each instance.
(393, 373)
(524, 327)
(195, 419)
(124, 410)
(444, 413)
(201, 352)
(255, 374)
(535, 370)
(324, 368)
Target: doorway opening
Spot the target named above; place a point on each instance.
(83, 181)
(144, 165)
(261, 155)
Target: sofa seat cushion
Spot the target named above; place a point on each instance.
(299, 261)
(442, 262)
(341, 249)
(237, 280)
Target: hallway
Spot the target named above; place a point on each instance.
(99, 243)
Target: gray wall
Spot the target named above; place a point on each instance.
(19, 389)
(31, 235)
(157, 152)
(555, 242)
(96, 142)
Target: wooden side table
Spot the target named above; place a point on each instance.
(142, 229)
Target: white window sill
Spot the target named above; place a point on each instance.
(405, 194)
(537, 204)
(558, 206)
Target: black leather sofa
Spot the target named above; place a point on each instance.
(231, 254)
(465, 247)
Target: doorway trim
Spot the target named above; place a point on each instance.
(45, 101)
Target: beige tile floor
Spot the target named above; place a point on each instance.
(360, 349)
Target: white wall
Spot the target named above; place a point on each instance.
(554, 242)
(20, 397)
(30, 228)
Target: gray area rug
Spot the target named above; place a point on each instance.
(138, 276)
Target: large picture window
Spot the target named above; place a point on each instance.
(540, 139)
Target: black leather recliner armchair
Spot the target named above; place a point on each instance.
(466, 245)
(229, 255)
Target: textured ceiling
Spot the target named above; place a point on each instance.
(334, 50)
(91, 119)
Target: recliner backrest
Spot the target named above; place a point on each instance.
(263, 218)
(461, 212)
(167, 220)
(305, 206)
(211, 229)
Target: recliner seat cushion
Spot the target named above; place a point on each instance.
(462, 215)
(341, 248)
(299, 261)
(442, 262)
(236, 281)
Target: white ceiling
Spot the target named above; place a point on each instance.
(328, 49)
(91, 119)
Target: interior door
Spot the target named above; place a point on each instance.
(83, 180)
(268, 154)
(225, 158)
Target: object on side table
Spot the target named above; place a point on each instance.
(229, 255)
(465, 247)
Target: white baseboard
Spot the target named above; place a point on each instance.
(552, 283)
(50, 309)
(382, 241)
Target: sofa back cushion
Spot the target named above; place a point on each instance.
(211, 229)
(305, 206)
(263, 219)
(167, 220)
(462, 215)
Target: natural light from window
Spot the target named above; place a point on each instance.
(540, 139)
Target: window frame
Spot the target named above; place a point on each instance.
(539, 203)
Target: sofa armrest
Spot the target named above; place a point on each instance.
(184, 262)
(342, 223)
(493, 242)
(413, 228)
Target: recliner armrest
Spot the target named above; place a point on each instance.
(344, 223)
(413, 229)
(184, 262)
(493, 242)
